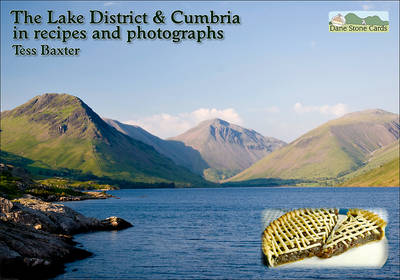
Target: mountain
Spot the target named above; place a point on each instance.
(382, 169)
(175, 150)
(352, 18)
(227, 148)
(59, 131)
(330, 151)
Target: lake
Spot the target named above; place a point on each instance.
(213, 233)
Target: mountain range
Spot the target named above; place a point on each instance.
(177, 151)
(55, 134)
(227, 148)
(215, 149)
(331, 151)
(352, 18)
(59, 131)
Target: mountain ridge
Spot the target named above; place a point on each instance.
(61, 131)
(175, 150)
(329, 151)
(227, 148)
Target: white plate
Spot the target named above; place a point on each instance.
(370, 255)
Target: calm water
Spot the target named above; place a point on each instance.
(213, 233)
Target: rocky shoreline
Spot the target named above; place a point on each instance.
(36, 236)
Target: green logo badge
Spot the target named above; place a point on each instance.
(358, 21)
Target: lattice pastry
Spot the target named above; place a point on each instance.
(360, 227)
(297, 234)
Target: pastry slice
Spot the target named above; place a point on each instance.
(297, 234)
(358, 228)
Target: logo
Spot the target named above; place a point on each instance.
(359, 21)
(338, 20)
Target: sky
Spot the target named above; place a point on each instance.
(280, 72)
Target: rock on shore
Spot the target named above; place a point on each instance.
(27, 253)
(86, 195)
(35, 236)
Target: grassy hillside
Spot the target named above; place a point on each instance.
(386, 175)
(382, 169)
(330, 151)
(15, 182)
(57, 131)
(352, 18)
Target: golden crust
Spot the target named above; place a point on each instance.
(359, 224)
(297, 231)
(374, 218)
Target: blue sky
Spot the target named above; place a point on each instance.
(280, 72)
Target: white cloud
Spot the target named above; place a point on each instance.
(166, 125)
(313, 44)
(337, 110)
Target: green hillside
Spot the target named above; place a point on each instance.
(382, 169)
(386, 175)
(352, 18)
(330, 151)
(57, 131)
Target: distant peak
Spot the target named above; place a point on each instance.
(220, 122)
(369, 112)
(51, 96)
(215, 121)
(377, 111)
(61, 112)
(53, 99)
